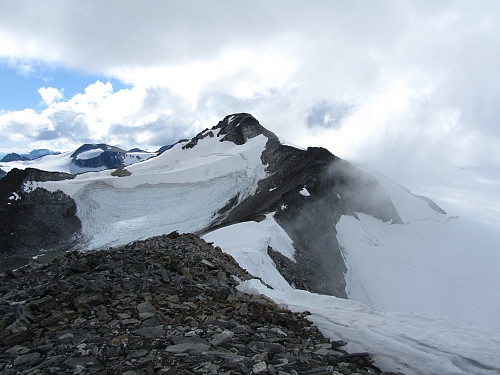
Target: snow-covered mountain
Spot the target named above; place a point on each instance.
(88, 157)
(298, 219)
(35, 154)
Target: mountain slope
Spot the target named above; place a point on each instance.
(295, 218)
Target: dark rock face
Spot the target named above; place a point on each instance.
(336, 188)
(14, 157)
(34, 220)
(164, 148)
(2, 173)
(111, 157)
(167, 305)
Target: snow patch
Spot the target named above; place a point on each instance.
(248, 242)
(90, 154)
(304, 192)
(14, 197)
(284, 142)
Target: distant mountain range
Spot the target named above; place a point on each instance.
(88, 157)
(35, 154)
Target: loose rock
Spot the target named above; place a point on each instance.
(167, 305)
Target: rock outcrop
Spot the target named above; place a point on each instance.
(36, 220)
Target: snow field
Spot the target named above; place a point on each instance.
(179, 190)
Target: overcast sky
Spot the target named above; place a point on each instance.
(402, 86)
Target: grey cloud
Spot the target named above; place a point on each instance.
(165, 130)
(70, 124)
(47, 135)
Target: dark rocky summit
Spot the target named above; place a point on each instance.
(110, 157)
(167, 305)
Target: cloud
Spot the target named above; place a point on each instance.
(50, 94)
(150, 117)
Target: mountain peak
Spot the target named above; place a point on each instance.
(240, 127)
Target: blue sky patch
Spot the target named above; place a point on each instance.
(19, 87)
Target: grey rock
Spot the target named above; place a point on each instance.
(153, 321)
(259, 368)
(80, 337)
(79, 267)
(150, 332)
(221, 337)
(137, 353)
(145, 307)
(194, 347)
(29, 359)
(128, 322)
(17, 338)
(226, 355)
(16, 351)
(113, 351)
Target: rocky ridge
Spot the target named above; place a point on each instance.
(166, 305)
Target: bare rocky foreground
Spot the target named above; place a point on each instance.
(167, 305)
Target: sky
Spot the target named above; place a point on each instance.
(410, 88)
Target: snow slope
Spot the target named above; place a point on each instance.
(412, 343)
(433, 263)
(182, 189)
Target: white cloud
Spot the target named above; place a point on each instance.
(129, 118)
(50, 94)
(411, 84)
